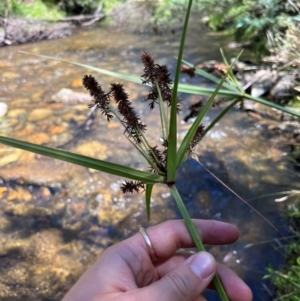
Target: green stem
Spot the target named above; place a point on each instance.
(195, 236)
(136, 144)
(163, 116)
(172, 137)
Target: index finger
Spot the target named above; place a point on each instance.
(168, 237)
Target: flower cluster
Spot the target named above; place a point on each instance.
(197, 138)
(159, 79)
(131, 186)
(156, 75)
(134, 126)
(101, 99)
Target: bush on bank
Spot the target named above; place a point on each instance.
(287, 280)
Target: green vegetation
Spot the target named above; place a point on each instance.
(36, 9)
(287, 280)
(261, 23)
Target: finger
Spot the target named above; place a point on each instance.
(168, 237)
(184, 283)
(235, 287)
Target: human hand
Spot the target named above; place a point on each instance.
(125, 271)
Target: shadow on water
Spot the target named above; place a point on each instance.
(56, 218)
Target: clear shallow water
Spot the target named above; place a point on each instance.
(55, 218)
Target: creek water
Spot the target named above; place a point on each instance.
(56, 218)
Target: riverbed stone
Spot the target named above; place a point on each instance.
(10, 75)
(93, 149)
(37, 96)
(76, 82)
(58, 129)
(25, 209)
(69, 96)
(39, 138)
(19, 102)
(16, 113)
(39, 114)
(3, 109)
(10, 158)
(19, 193)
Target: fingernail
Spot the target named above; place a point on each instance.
(203, 265)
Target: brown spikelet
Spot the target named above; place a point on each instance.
(134, 126)
(131, 186)
(156, 74)
(158, 158)
(197, 138)
(101, 99)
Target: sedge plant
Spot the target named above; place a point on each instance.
(163, 160)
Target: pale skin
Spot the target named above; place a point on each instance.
(125, 271)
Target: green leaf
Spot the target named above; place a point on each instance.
(134, 79)
(111, 168)
(184, 88)
(191, 89)
(193, 129)
(211, 77)
(230, 75)
(149, 188)
(172, 138)
(195, 236)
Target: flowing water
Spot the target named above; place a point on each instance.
(56, 218)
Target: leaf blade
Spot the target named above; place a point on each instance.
(172, 137)
(192, 130)
(112, 168)
(149, 188)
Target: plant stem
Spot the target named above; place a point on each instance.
(163, 117)
(195, 236)
(172, 138)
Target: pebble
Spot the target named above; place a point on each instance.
(69, 96)
(19, 102)
(39, 114)
(39, 138)
(93, 149)
(57, 130)
(15, 113)
(76, 83)
(19, 193)
(10, 158)
(3, 109)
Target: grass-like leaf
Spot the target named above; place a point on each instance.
(192, 89)
(211, 77)
(184, 88)
(172, 138)
(134, 79)
(149, 188)
(112, 168)
(192, 131)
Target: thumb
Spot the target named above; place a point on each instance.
(187, 281)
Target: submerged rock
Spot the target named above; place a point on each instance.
(3, 109)
(69, 96)
(39, 114)
(263, 81)
(283, 90)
